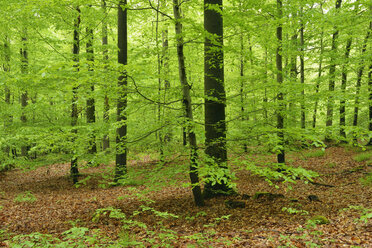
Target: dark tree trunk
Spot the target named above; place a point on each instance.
(215, 96)
(121, 131)
(343, 90)
(331, 85)
(6, 67)
(302, 72)
(106, 104)
(91, 107)
(194, 176)
(74, 171)
(24, 95)
(279, 79)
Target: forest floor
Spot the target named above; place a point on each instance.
(160, 212)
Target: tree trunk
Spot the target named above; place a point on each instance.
(292, 120)
(302, 71)
(317, 86)
(121, 131)
(194, 176)
(74, 171)
(106, 104)
(215, 97)
(242, 94)
(6, 67)
(279, 79)
(165, 66)
(343, 90)
(359, 80)
(91, 107)
(24, 95)
(331, 85)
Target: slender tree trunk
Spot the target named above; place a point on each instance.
(106, 104)
(24, 95)
(91, 106)
(317, 86)
(331, 85)
(74, 171)
(359, 80)
(165, 67)
(6, 67)
(292, 120)
(242, 94)
(265, 115)
(194, 177)
(343, 90)
(121, 136)
(160, 133)
(302, 71)
(215, 97)
(279, 79)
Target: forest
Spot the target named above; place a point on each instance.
(185, 123)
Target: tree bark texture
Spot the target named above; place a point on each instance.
(91, 107)
(74, 171)
(106, 104)
(215, 96)
(121, 131)
(279, 79)
(194, 177)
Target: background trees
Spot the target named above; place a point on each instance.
(241, 95)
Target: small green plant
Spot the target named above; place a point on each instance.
(82, 182)
(33, 240)
(367, 180)
(366, 213)
(363, 156)
(26, 196)
(201, 213)
(318, 220)
(295, 211)
(218, 220)
(315, 154)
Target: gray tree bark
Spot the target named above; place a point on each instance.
(194, 176)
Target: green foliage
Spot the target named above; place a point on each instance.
(295, 211)
(33, 240)
(315, 154)
(363, 156)
(281, 172)
(191, 218)
(367, 180)
(26, 196)
(365, 213)
(318, 220)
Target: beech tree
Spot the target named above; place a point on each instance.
(215, 98)
(121, 136)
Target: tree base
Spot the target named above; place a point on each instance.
(212, 191)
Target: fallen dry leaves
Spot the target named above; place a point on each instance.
(262, 223)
